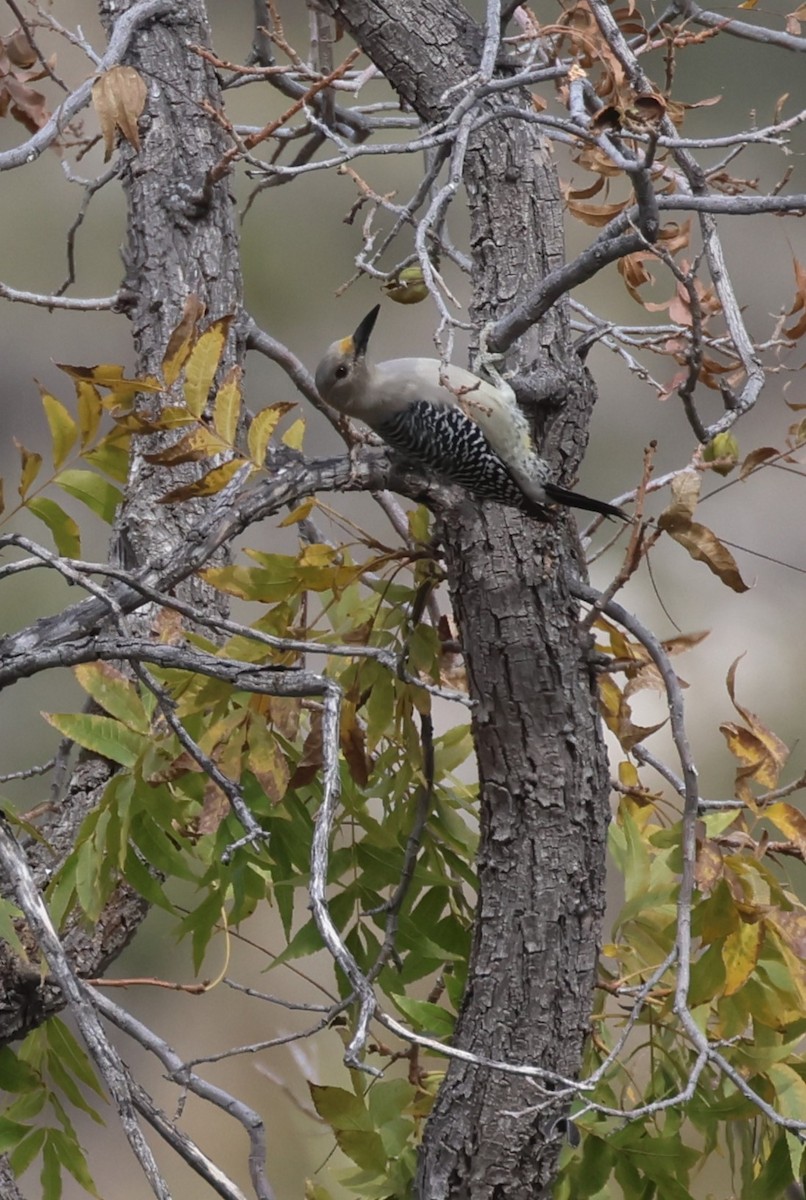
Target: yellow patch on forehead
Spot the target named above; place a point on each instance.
(347, 345)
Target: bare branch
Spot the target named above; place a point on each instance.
(112, 1069)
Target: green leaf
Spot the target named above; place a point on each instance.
(111, 455)
(115, 694)
(146, 884)
(202, 923)
(340, 1108)
(790, 1089)
(775, 1176)
(11, 1134)
(72, 1055)
(388, 1098)
(9, 913)
(452, 748)
(63, 429)
(306, 940)
(16, 1075)
(94, 878)
(66, 533)
(93, 490)
(101, 735)
(70, 1155)
(23, 1154)
(426, 1016)
(365, 1149)
(51, 1174)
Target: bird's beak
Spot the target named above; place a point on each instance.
(362, 334)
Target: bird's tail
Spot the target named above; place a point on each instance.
(559, 495)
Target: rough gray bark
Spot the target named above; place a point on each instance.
(541, 758)
(178, 241)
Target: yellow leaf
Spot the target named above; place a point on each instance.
(267, 762)
(89, 410)
(181, 339)
(300, 513)
(627, 774)
(317, 555)
(209, 485)
(294, 434)
(30, 462)
(261, 429)
(111, 376)
(63, 429)
(119, 97)
(790, 821)
(740, 953)
(202, 365)
(227, 408)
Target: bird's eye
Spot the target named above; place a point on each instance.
(341, 370)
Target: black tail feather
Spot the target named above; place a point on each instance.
(559, 495)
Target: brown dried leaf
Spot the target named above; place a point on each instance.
(705, 546)
(181, 339)
(675, 237)
(633, 271)
(25, 104)
(353, 745)
(800, 287)
(19, 48)
(596, 214)
(209, 485)
(650, 107)
(608, 118)
(119, 97)
(776, 752)
(618, 716)
(285, 713)
(267, 762)
(792, 927)
(201, 443)
(311, 759)
(685, 489)
(583, 193)
(709, 868)
(755, 458)
(215, 809)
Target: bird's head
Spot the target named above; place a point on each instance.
(342, 375)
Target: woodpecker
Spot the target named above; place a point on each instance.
(448, 421)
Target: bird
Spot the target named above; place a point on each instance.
(448, 422)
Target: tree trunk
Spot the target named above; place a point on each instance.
(179, 241)
(542, 764)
